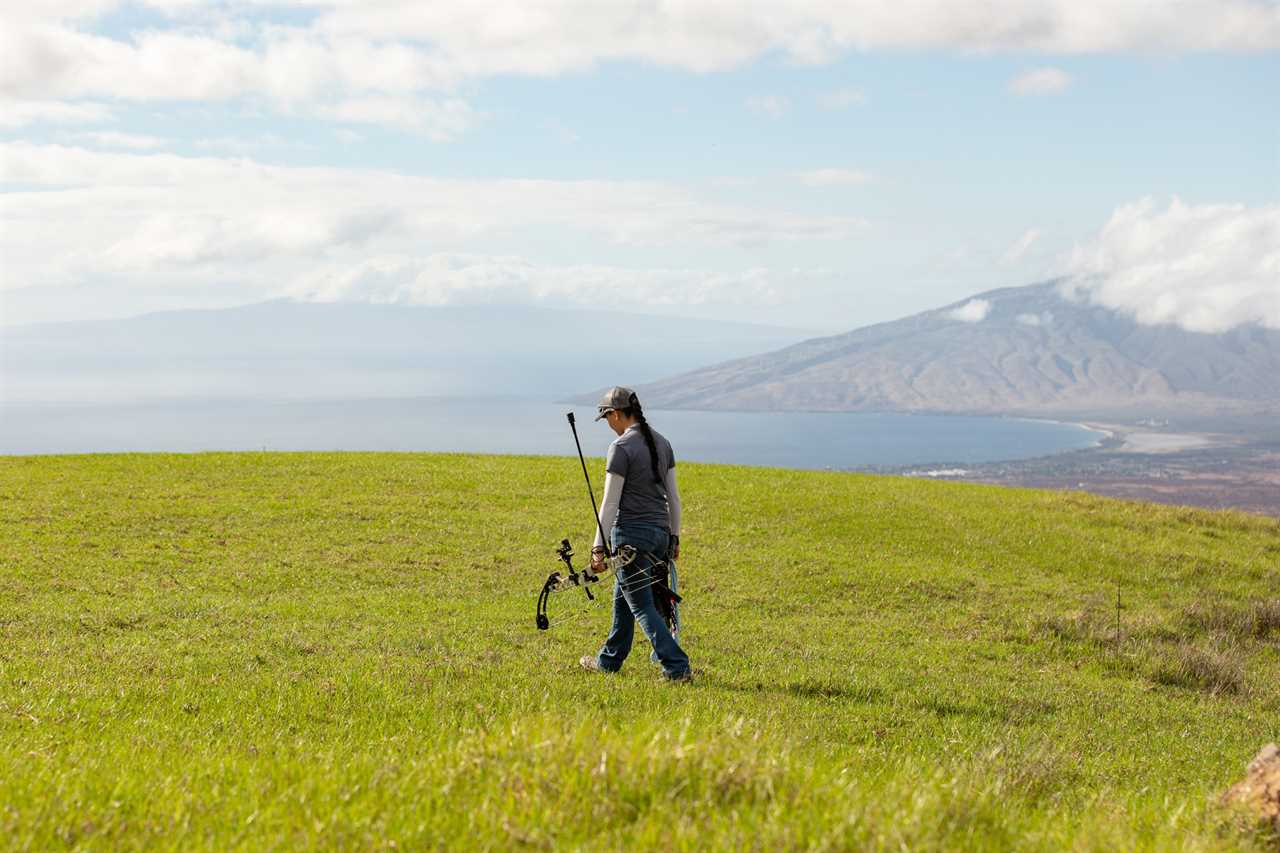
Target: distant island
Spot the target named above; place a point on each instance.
(285, 349)
(1022, 350)
(1194, 418)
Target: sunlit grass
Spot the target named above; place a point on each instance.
(293, 650)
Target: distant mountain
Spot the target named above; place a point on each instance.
(1014, 350)
(293, 350)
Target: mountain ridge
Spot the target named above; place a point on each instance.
(1013, 350)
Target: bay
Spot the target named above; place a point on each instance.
(522, 426)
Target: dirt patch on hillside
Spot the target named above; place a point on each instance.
(1259, 792)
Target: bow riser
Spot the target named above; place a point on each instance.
(573, 579)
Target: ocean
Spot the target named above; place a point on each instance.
(519, 426)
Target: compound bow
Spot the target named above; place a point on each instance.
(661, 575)
(571, 578)
(659, 578)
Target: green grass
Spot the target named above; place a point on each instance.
(301, 650)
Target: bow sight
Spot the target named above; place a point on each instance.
(571, 577)
(557, 581)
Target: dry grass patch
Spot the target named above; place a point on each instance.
(1256, 619)
(1212, 670)
(1094, 623)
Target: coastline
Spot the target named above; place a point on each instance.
(1147, 462)
(1106, 431)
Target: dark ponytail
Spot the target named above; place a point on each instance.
(635, 411)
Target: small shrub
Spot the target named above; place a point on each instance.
(1216, 616)
(1212, 670)
(1256, 620)
(1266, 617)
(1095, 623)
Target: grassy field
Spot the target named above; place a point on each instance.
(311, 650)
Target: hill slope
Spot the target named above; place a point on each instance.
(1031, 351)
(311, 651)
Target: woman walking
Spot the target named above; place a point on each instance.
(641, 508)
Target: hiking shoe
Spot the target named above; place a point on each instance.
(591, 663)
(683, 678)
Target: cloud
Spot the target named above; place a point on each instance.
(770, 106)
(289, 71)
(973, 311)
(160, 242)
(349, 57)
(19, 113)
(55, 61)
(553, 37)
(247, 144)
(841, 99)
(438, 120)
(1207, 268)
(59, 10)
(834, 178)
(1015, 252)
(469, 279)
(1041, 81)
(1044, 318)
(115, 139)
(166, 220)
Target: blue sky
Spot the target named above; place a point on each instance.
(809, 164)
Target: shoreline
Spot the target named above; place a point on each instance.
(1212, 470)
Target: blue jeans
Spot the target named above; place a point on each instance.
(633, 602)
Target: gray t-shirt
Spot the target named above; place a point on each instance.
(643, 500)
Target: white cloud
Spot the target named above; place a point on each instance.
(439, 120)
(1041, 81)
(63, 62)
(973, 311)
(1015, 252)
(349, 52)
(467, 279)
(291, 71)
(834, 178)
(247, 144)
(1044, 318)
(115, 139)
(770, 106)
(19, 113)
(841, 99)
(168, 220)
(59, 10)
(1207, 268)
(560, 35)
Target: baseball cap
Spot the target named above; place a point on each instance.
(616, 397)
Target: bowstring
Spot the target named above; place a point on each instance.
(655, 577)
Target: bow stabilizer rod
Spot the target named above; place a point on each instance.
(572, 578)
(595, 512)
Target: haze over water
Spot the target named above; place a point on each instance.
(515, 426)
